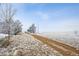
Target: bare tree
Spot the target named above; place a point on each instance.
(6, 14)
(17, 27)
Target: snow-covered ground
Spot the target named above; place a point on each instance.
(3, 35)
(27, 45)
(67, 37)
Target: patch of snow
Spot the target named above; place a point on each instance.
(3, 35)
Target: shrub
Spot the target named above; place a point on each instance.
(4, 42)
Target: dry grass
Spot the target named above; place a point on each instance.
(61, 47)
(68, 38)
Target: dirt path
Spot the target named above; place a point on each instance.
(64, 49)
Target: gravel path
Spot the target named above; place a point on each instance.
(27, 45)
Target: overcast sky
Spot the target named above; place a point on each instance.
(49, 17)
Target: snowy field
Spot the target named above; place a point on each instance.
(67, 37)
(3, 35)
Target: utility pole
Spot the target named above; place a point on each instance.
(38, 28)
